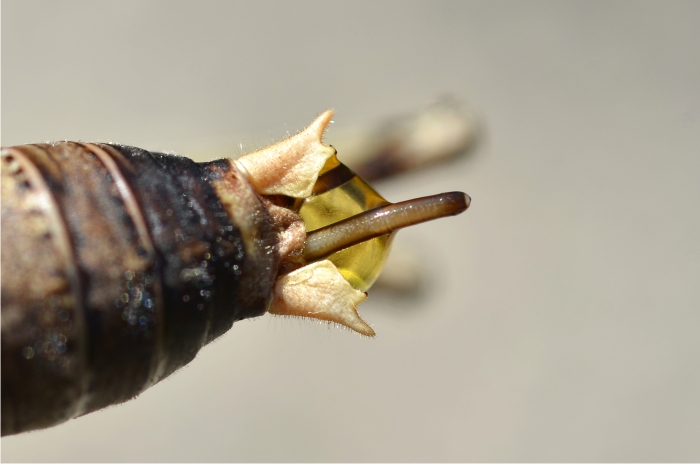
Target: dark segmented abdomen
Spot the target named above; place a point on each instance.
(118, 265)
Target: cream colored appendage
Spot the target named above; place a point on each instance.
(319, 291)
(290, 167)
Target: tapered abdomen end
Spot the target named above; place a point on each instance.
(349, 226)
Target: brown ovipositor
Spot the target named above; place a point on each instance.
(119, 264)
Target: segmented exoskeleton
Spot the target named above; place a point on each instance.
(119, 264)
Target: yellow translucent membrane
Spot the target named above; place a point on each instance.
(359, 264)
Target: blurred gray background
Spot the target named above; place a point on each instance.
(561, 315)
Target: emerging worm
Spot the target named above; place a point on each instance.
(120, 264)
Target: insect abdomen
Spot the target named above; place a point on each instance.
(118, 266)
